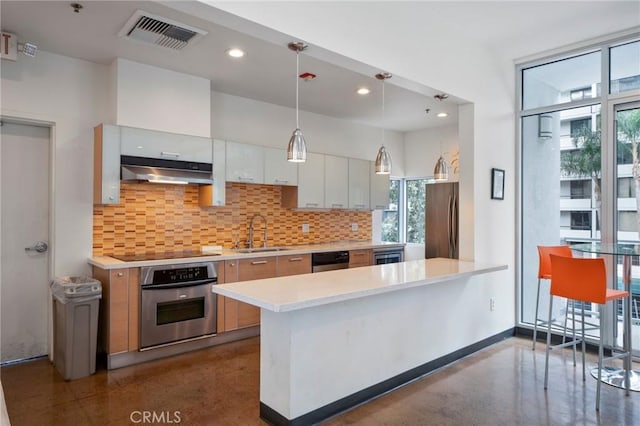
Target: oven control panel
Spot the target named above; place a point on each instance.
(179, 273)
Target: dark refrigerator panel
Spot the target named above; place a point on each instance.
(441, 220)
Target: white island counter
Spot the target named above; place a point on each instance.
(330, 340)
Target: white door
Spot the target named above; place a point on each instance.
(24, 217)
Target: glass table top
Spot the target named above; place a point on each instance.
(632, 249)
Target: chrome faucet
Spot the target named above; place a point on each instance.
(264, 244)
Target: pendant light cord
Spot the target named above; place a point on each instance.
(297, 78)
(383, 112)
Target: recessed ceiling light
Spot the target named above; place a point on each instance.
(363, 91)
(442, 114)
(235, 52)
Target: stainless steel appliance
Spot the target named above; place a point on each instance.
(388, 255)
(441, 220)
(177, 302)
(329, 261)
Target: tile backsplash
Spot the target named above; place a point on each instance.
(155, 218)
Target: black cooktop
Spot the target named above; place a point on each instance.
(161, 256)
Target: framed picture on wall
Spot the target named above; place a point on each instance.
(497, 184)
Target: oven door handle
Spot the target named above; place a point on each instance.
(179, 285)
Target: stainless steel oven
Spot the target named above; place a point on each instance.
(388, 255)
(177, 303)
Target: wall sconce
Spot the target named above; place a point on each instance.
(545, 126)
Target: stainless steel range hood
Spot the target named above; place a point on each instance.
(157, 170)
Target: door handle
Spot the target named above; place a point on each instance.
(39, 247)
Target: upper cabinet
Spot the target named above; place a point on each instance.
(336, 176)
(359, 171)
(277, 170)
(106, 164)
(215, 195)
(379, 190)
(310, 190)
(169, 146)
(245, 163)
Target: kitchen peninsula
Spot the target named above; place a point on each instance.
(333, 340)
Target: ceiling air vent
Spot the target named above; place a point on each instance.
(148, 28)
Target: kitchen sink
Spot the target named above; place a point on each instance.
(260, 249)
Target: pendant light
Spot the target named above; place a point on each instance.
(297, 149)
(383, 159)
(441, 170)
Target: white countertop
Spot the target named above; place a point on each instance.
(107, 262)
(304, 291)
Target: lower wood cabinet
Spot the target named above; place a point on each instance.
(359, 258)
(232, 314)
(295, 264)
(237, 314)
(119, 314)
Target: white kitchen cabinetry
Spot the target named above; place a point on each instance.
(277, 170)
(245, 163)
(379, 189)
(336, 176)
(106, 164)
(215, 195)
(162, 145)
(310, 190)
(359, 171)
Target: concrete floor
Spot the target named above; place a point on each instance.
(502, 384)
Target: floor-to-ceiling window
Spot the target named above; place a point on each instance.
(579, 161)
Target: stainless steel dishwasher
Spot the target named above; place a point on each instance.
(328, 261)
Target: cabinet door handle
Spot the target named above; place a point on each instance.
(259, 262)
(311, 204)
(281, 181)
(120, 274)
(245, 179)
(359, 206)
(336, 205)
(295, 259)
(169, 154)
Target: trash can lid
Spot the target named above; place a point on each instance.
(80, 286)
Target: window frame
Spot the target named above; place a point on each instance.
(602, 97)
(402, 205)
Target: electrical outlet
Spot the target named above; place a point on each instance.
(305, 227)
(492, 304)
(354, 226)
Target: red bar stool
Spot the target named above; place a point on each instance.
(584, 280)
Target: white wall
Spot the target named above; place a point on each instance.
(69, 93)
(158, 99)
(422, 149)
(441, 56)
(250, 121)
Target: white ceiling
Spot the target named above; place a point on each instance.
(266, 73)
(510, 29)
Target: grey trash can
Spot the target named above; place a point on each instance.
(75, 325)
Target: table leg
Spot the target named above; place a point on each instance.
(624, 378)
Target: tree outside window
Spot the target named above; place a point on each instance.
(391, 216)
(415, 195)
